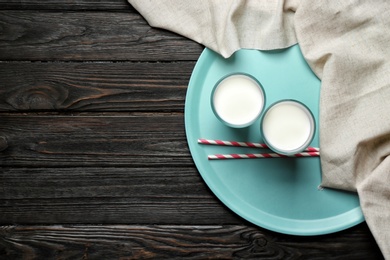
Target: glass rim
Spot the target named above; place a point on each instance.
(312, 128)
(259, 85)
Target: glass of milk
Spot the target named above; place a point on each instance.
(288, 127)
(238, 100)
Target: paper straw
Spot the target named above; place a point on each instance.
(244, 144)
(231, 143)
(260, 155)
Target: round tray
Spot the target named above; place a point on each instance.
(279, 194)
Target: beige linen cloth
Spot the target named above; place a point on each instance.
(347, 44)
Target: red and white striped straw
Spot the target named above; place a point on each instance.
(244, 144)
(231, 143)
(260, 155)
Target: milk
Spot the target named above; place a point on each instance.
(288, 127)
(238, 100)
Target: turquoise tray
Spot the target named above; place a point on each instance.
(279, 194)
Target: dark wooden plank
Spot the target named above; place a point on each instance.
(174, 195)
(179, 242)
(50, 140)
(90, 182)
(103, 86)
(106, 5)
(88, 36)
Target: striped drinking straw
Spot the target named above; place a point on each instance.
(243, 144)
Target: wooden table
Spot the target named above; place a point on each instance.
(94, 161)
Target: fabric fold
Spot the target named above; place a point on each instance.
(346, 44)
(225, 26)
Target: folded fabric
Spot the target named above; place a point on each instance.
(225, 26)
(346, 43)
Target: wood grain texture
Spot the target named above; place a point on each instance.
(74, 5)
(88, 36)
(52, 140)
(103, 86)
(177, 242)
(174, 195)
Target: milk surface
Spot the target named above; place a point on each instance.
(288, 126)
(238, 100)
